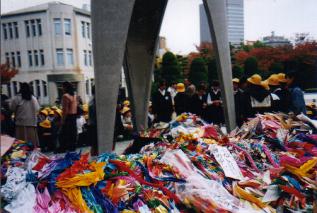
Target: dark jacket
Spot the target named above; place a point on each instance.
(256, 100)
(297, 100)
(214, 113)
(196, 105)
(285, 101)
(162, 106)
(181, 102)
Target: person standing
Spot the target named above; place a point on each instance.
(25, 107)
(198, 102)
(284, 94)
(257, 99)
(214, 104)
(181, 99)
(162, 103)
(68, 135)
(297, 95)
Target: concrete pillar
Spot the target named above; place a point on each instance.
(110, 24)
(217, 19)
(52, 92)
(140, 55)
(81, 90)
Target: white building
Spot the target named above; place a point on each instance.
(235, 18)
(276, 41)
(49, 44)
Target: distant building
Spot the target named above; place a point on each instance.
(276, 41)
(235, 18)
(49, 44)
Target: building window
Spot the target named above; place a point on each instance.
(60, 56)
(90, 58)
(10, 30)
(67, 26)
(15, 87)
(27, 28)
(38, 88)
(13, 59)
(44, 88)
(88, 30)
(39, 26)
(30, 58)
(87, 87)
(33, 28)
(42, 57)
(16, 29)
(83, 29)
(69, 56)
(4, 29)
(9, 90)
(57, 26)
(19, 59)
(7, 58)
(85, 58)
(36, 58)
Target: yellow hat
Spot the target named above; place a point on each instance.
(46, 124)
(59, 112)
(54, 108)
(180, 87)
(126, 103)
(44, 112)
(51, 112)
(265, 85)
(85, 107)
(282, 77)
(255, 79)
(236, 80)
(125, 110)
(273, 80)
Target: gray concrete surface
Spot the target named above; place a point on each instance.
(217, 19)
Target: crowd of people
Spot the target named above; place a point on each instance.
(252, 95)
(73, 124)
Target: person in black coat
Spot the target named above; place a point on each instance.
(181, 99)
(284, 94)
(198, 102)
(162, 104)
(256, 98)
(214, 102)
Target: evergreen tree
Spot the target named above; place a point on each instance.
(170, 69)
(198, 71)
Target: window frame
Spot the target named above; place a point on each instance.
(27, 28)
(18, 58)
(33, 27)
(88, 29)
(68, 26)
(90, 58)
(36, 58)
(10, 26)
(39, 26)
(42, 57)
(70, 55)
(16, 29)
(85, 58)
(5, 31)
(57, 25)
(30, 58)
(83, 29)
(60, 55)
(13, 59)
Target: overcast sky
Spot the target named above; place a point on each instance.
(181, 21)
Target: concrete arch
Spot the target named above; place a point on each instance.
(125, 32)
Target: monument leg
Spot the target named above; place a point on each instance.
(140, 55)
(110, 24)
(217, 19)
